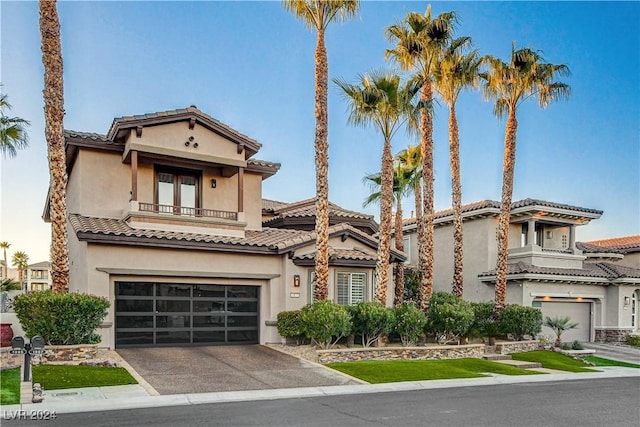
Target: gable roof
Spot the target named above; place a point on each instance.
(484, 208)
(267, 240)
(601, 273)
(283, 213)
(121, 126)
(623, 245)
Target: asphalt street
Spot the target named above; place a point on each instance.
(602, 402)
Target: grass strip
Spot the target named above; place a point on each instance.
(10, 386)
(601, 361)
(376, 372)
(553, 360)
(55, 377)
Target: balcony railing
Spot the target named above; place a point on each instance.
(185, 211)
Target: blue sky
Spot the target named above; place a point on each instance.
(250, 65)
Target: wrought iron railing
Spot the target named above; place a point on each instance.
(186, 211)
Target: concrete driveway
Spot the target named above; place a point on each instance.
(178, 370)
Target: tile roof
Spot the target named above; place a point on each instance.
(342, 254)
(307, 208)
(622, 244)
(600, 270)
(276, 240)
(42, 264)
(589, 248)
(87, 136)
(492, 204)
(272, 205)
(192, 109)
(263, 163)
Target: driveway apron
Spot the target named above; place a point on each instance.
(178, 370)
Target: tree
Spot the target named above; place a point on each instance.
(453, 72)
(420, 41)
(20, 261)
(525, 76)
(381, 100)
(401, 180)
(559, 325)
(13, 135)
(54, 133)
(317, 14)
(5, 245)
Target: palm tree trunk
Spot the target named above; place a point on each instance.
(456, 201)
(386, 202)
(322, 171)
(425, 246)
(509, 164)
(399, 266)
(54, 131)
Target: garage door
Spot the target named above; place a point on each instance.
(157, 314)
(577, 311)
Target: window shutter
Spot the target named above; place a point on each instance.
(358, 286)
(343, 289)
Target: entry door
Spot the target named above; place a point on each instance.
(156, 314)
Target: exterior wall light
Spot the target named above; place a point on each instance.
(627, 300)
(296, 280)
(213, 183)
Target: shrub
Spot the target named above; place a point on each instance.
(519, 321)
(566, 346)
(484, 325)
(290, 325)
(370, 320)
(449, 317)
(409, 323)
(411, 285)
(576, 345)
(633, 340)
(61, 319)
(325, 322)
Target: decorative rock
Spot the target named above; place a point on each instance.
(401, 353)
(37, 393)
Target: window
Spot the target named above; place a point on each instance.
(406, 243)
(39, 274)
(177, 192)
(565, 245)
(39, 287)
(634, 308)
(351, 288)
(523, 235)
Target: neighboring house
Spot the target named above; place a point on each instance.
(547, 267)
(39, 276)
(11, 273)
(166, 221)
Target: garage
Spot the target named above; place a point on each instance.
(178, 314)
(577, 311)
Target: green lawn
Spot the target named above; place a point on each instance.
(600, 361)
(376, 372)
(53, 377)
(553, 360)
(10, 386)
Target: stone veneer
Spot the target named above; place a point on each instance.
(8, 360)
(398, 353)
(508, 347)
(72, 354)
(612, 335)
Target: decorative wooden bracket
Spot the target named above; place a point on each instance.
(192, 122)
(240, 147)
(138, 131)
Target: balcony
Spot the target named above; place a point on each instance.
(546, 257)
(185, 211)
(154, 216)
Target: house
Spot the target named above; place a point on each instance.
(167, 222)
(39, 276)
(548, 268)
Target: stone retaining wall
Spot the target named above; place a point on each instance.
(612, 335)
(8, 360)
(67, 353)
(508, 347)
(399, 353)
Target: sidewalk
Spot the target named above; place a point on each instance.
(135, 396)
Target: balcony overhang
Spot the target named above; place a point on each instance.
(163, 152)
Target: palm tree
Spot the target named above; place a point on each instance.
(559, 325)
(509, 85)
(5, 245)
(401, 181)
(381, 100)
(420, 41)
(13, 135)
(410, 160)
(54, 132)
(317, 14)
(20, 261)
(454, 72)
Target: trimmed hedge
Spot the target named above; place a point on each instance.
(370, 321)
(520, 321)
(409, 323)
(326, 322)
(449, 317)
(61, 318)
(290, 324)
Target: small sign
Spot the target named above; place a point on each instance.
(35, 352)
(294, 294)
(18, 351)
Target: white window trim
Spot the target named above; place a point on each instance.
(351, 274)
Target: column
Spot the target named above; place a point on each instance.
(572, 238)
(240, 190)
(134, 176)
(531, 232)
